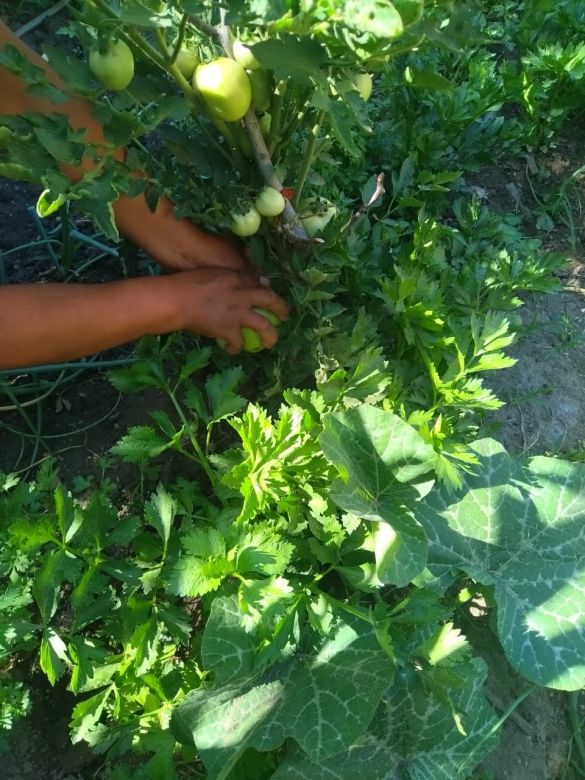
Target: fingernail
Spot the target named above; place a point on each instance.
(265, 281)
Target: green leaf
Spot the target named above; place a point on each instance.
(412, 735)
(292, 58)
(520, 527)
(226, 648)
(379, 18)
(426, 79)
(159, 512)
(224, 402)
(140, 443)
(138, 376)
(47, 583)
(204, 565)
(86, 714)
(53, 655)
(48, 204)
(324, 700)
(378, 455)
(264, 552)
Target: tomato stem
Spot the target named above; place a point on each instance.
(307, 158)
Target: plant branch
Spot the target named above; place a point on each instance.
(308, 158)
(180, 37)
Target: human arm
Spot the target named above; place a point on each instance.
(48, 323)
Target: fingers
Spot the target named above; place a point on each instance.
(267, 332)
(266, 298)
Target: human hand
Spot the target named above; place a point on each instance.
(218, 303)
(178, 244)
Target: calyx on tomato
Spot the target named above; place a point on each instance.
(113, 66)
(225, 88)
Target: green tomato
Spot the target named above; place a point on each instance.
(187, 60)
(261, 93)
(250, 337)
(315, 223)
(114, 67)
(246, 224)
(270, 202)
(244, 56)
(225, 88)
(363, 84)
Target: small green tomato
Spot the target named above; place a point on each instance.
(186, 61)
(270, 202)
(251, 338)
(247, 224)
(114, 66)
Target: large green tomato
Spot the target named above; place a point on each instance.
(225, 88)
(244, 56)
(114, 67)
(270, 202)
(187, 60)
(247, 224)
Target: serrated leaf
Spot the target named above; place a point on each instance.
(159, 512)
(140, 443)
(520, 526)
(136, 377)
(220, 388)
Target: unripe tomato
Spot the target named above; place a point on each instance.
(270, 202)
(246, 224)
(315, 223)
(114, 67)
(186, 61)
(250, 337)
(225, 88)
(244, 56)
(260, 90)
(363, 84)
